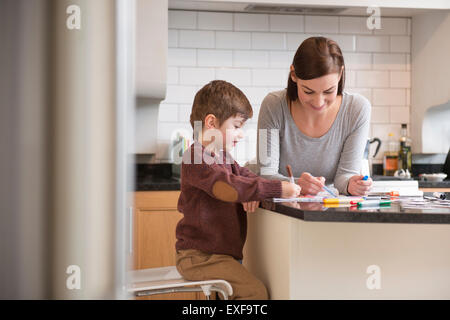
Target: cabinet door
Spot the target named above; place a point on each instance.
(155, 238)
(155, 220)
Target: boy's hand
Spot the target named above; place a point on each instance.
(290, 190)
(250, 206)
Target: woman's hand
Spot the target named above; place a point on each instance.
(310, 185)
(359, 187)
(250, 206)
(290, 190)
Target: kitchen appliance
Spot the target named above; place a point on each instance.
(446, 168)
(366, 167)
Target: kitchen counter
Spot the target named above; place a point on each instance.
(392, 214)
(156, 177)
(158, 184)
(306, 251)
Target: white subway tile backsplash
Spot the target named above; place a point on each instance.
(168, 112)
(365, 92)
(182, 19)
(393, 26)
(250, 59)
(181, 57)
(318, 24)
(372, 79)
(168, 130)
(268, 41)
(400, 44)
(270, 77)
(196, 76)
(400, 79)
(358, 61)
(256, 94)
(286, 23)
(294, 40)
(353, 25)
(389, 61)
(233, 40)
(382, 131)
(215, 21)
(281, 59)
(380, 115)
(386, 97)
(184, 112)
(238, 77)
(214, 58)
(251, 22)
(350, 78)
(345, 42)
(372, 43)
(254, 52)
(255, 108)
(196, 39)
(180, 94)
(173, 38)
(399, 114)
(172, 75)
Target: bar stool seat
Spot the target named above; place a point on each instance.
(145, 282)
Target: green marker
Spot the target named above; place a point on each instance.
(374, 203)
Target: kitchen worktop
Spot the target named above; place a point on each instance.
(156, 177)
(394, 214)
(159, 177)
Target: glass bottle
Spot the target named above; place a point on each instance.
(390, 159)
(405, 154)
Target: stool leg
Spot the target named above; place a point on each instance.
(206, 290)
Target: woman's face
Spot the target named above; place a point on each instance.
(317, 94)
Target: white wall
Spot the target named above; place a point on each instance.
(431, 69)
(254, 51)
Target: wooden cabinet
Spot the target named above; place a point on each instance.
(155, 220)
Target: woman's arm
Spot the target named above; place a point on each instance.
(352, 152)
(268, 141)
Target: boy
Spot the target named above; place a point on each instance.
(215, 191)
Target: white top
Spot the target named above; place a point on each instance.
(336, 155)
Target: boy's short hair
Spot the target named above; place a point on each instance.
(223, 100)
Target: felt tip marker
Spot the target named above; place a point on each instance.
(329, 191)
(365, 178)
(341, 201)
(371, 203)
(291, 176)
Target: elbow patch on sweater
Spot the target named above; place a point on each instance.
(223, 191)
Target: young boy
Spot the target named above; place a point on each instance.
(215, 191)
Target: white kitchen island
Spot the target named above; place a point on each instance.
(338, 254)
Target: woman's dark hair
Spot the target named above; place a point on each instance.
(316, 57)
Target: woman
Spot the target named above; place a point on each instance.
(322, 130)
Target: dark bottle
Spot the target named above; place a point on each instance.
(405, 154)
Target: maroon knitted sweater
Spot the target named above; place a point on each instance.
(211, 200)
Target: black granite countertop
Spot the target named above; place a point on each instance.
(158, 184)
(156, 177)
(434, 184)
(316, 212)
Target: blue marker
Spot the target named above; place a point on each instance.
(329, 191)
(365, 178)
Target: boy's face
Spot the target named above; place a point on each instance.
(231, 131)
